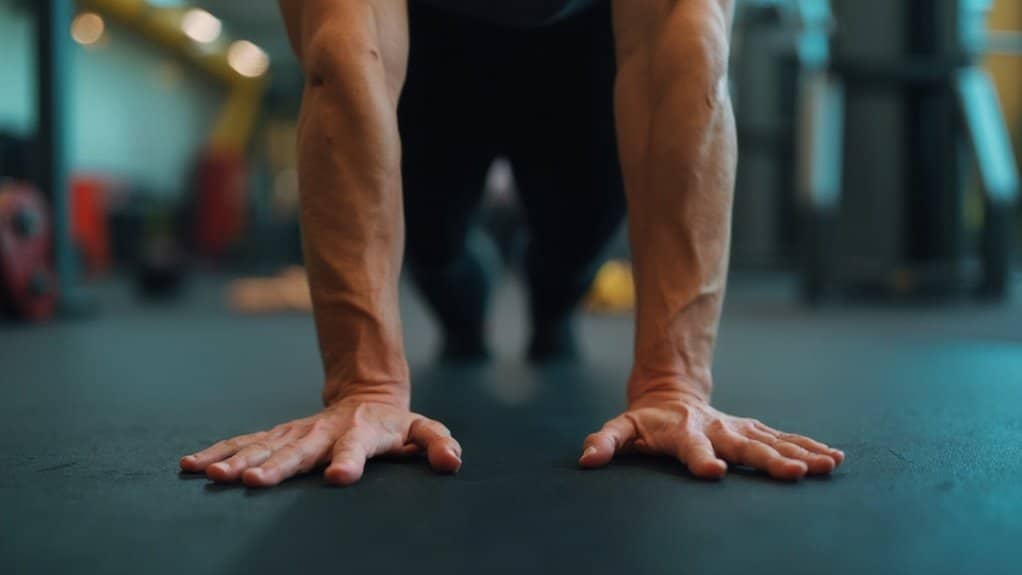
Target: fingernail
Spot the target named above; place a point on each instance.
(454, 454)
(256, 471)
(589, 451)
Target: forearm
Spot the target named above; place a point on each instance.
(352, 231)
(679, 180)
(351, 209)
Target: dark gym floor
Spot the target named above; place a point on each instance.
(926, 402)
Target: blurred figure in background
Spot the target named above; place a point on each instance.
(677, 151)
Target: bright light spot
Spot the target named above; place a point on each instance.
(248, 59)
(87, 28)
(201, 26)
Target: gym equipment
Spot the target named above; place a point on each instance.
(893, 120)
(161, 266)
(89, 223)
(875, 113)
(220, 208)
(780, 48)
(28, 286)
(53, 66)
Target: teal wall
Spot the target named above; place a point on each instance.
(139, 115)
(17, 90)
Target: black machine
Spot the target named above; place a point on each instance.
(902, 122)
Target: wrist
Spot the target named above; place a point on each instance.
(646, 390)
(394, 393)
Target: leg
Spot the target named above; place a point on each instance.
(446, 131)
(566, 165)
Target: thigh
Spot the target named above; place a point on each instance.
(565, 150)
(446, 119)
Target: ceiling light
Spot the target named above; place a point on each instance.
(201, 26)
(87, 28)
(247, 59)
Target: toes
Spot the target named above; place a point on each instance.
(600, 447)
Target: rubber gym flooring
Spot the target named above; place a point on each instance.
(926, 402)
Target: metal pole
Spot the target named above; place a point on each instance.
(53, 68)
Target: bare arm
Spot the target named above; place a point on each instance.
(350, 181)
(354, 54)
(678, 152)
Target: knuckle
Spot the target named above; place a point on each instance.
(321, 426)
(438, 428)
(359, 414)
(716, 426)
(260, 445)
(345, 444)
(746, 425)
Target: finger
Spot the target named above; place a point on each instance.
(740, 449)
(818, 464)
(696, 452)
(443, 451)
(219, 451)
(253, 454)
(291, 459)
(348, 460)
(230, 469)
(815, 446)
(601, 446)
(805, 443)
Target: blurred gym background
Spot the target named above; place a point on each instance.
(150, 143)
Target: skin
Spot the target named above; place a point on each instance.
(678, 152)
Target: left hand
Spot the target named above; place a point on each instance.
(707, 440)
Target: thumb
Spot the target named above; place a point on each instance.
(601, 446)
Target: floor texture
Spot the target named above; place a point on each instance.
(926, 402)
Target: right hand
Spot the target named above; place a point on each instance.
(346, 434)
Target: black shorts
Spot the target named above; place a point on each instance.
(541, 96)
(515, 13)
